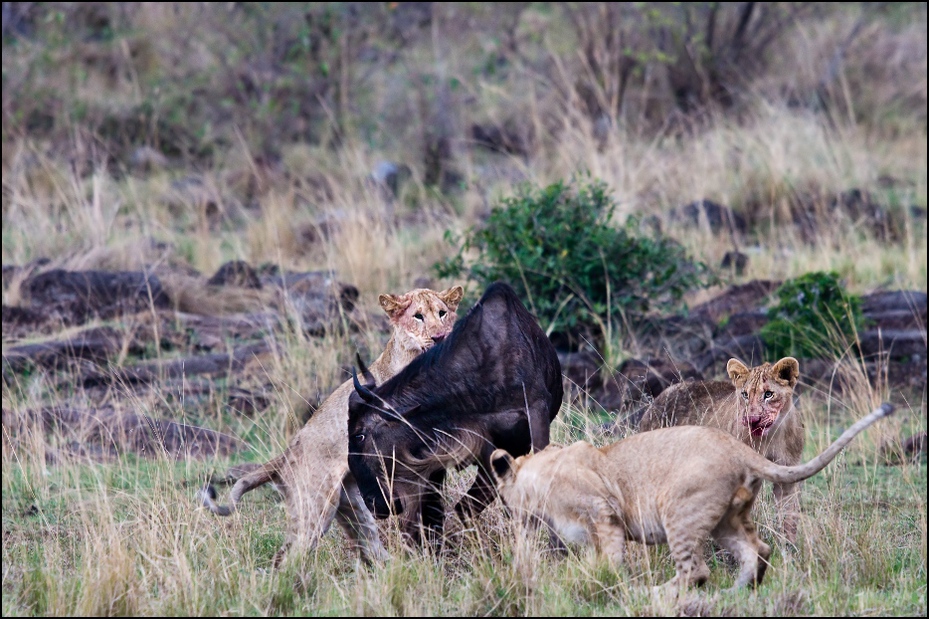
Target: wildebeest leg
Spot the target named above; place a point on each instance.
(424, 513)
(433, 510)
(358, 523)
(539, 425)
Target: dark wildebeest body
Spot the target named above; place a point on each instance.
(495, 382)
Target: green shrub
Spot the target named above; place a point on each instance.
(576, 271)
(814, 317)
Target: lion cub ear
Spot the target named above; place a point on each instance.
(452, 297)
(502, 464)
(787, 370)
(737, 371)
(394, 305)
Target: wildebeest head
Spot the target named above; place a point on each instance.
(394, 453)
(365, 432)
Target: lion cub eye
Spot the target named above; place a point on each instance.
(768, 395)
(745, 394)
(418, 316)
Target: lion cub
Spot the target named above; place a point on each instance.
(313, 471)
(756, 407)
(676, 485)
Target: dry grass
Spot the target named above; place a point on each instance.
(126, 536)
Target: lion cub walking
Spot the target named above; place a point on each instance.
(676, 485)
(756, 407)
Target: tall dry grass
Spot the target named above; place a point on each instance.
(127, 537)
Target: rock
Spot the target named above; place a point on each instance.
(581, 370)
(743, 323)
(897, 320)
(748, 348)
(811, 211)
(235, 273)
(247, 402)
(645, 380)
(680, 336)
(741, 298)
(324, 228)
(217, 365)
(105, 432)
(735, 261)
(96, 344)
(390, 177)
(717, 218)
(21, 321)
(912, 301)
(77, 296)
(12, 272)
(509, 138)
(893, 343)
(317, 296)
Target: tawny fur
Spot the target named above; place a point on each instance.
(771, 426)
(673, 485)
(313, 471)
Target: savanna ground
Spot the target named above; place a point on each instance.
(146, 136)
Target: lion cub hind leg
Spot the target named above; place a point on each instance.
(686, 526)
(313, 510)
(610, 538)
(736, 533)
(686, 545)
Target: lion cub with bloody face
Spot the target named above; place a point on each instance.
(312, 473)
(675, 485)
(756, 407)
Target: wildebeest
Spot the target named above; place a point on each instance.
(495, 382)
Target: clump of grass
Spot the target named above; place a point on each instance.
(814, 317)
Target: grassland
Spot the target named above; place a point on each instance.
(265, 128)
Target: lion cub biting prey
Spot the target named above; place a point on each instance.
(676, 485)
(756, 407)
(313, 471)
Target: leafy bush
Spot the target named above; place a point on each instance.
(814, 317)
(578, 273)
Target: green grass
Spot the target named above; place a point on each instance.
(128, 537)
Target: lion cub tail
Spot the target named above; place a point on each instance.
(791, 474)
(246, 483)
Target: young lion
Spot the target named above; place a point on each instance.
(674, 485)
(313, 471)
(756, 407)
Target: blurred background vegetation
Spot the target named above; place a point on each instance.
(231, 130)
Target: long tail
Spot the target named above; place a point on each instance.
(247, 483)
(790, 474)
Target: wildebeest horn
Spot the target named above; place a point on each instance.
(369, 378)
(365, 392)
(384, 409)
